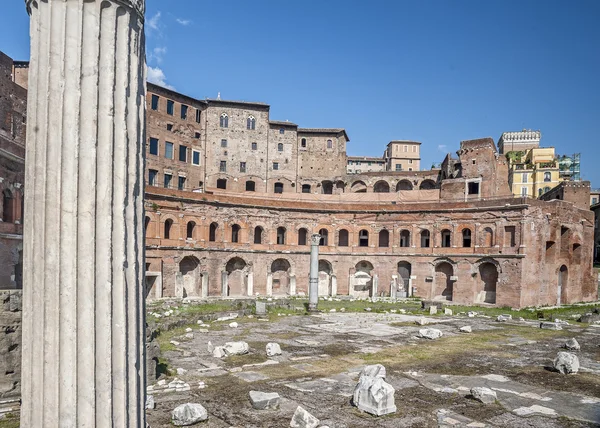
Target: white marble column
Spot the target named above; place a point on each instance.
(292, 284)
(313, 282)
(333, 285)
(269, 290)
(83, 295)
(224, 284)
(204, 285)
(250, 284)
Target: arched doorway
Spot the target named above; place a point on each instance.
(563, 282)
(427, 185)
(358, 187)
(237, 279)
(404, 271)
(327, 187)
(381, 187)
(325, 273)
(443, 282)
(361, 283)
(404, 185)
(281, 270)
(488, 273)
(188, 268)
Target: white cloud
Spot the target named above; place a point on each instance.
(157, 54)
(157, 76)
(183, 22)
(154, 22)
(442, 148)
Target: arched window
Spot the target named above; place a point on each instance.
(381, 187)
(168, 225)
(235, 233)
(327, 187)
(324, 235)
(224, 121)
(302, 234)
(146, 223)
(303, 143)
(546, 189)
(8, 207)
(280, 147)
(488, 237)
(466, 235)
(258, 231)
(190, 229)
(425, 238)
(446, 238)
(278, 188)
(547, 177)
(212, 232)
(250, 186)
(251, 122)
(343, 238)
(384, 238)
(281, 235)
(363, 238)
(405, 238)
(329, 144)
(540, 191)
(306, 188)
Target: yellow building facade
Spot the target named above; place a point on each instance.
(533, 172)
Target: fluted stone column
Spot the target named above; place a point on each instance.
(83, 307)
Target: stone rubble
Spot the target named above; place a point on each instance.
(303, 419)
(188, 414)
(372, 393)
(273, 349)
(465, 329)
(566, 363)
(150, 404)
(233, 325)
(572, 345)
(550, 325)
(430, 333)
(264, 400)
(447, 311)
(485, 395)
(432, 310)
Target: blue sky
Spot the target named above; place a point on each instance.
(434, 71)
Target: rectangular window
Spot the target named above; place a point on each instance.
(170, 107)
(254, 146)
(182, 153)
(223, 143)
(181, 183)
(197, 135)
(195, 157)
(197, 115)
(282, 131)
(223, 166)
(154, 102)
(523, 191)
(242, 166)
(169, 126)
(510, 236)
(594, 201)
(153, 146)
(410, 161)
(398, 167)
(152, 174)
(168, 178)
(414, 149)
(168, 150)
(524, 177)
(184, 110)
(406, 148)
(473, 188)
(275, 166)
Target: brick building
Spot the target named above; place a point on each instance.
(233, 197)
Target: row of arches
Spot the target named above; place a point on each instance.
(237, 279)
(328, 187)
(383, 240)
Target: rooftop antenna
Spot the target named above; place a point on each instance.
(218, 95)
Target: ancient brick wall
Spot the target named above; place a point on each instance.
(10, 344)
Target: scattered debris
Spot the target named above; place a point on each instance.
(465, 329)
(566, 363)
(430, 333)
(273, 349)
(264, 400)
(188, 414)
(572, 345)
(485, 395)
(372, 393)
(550, 325)
(303, 419)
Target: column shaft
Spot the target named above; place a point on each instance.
(83, 309)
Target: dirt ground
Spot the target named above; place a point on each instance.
(323, 354)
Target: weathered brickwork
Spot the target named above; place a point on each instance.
(10, 344)
(13, 114)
